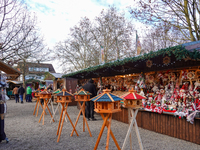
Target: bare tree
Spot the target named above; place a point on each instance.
(17, 26)
(82, 47)
(159, 38)
(114, 32)
(174, 15)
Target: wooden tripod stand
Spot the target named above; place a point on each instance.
(62, 117)
(82, 109)
(132, 116)
(37, 106)
(43, 112)
(109, 132)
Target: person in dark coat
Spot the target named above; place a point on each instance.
(90, 87)
(21, 92)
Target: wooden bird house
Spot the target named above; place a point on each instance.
(107, 102)
(82, 95)
(133, 100)
(37, 92)
(45, 94)
(64, 96)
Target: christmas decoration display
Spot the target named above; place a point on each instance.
(170, 91)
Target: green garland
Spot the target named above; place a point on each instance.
(178, 51)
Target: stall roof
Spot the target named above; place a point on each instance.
(11, 72)
(15, 82)
(181, 56)
(57, 75)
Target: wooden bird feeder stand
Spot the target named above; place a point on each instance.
(64, 98)
(133, 102)
(106, 103)
(37, 104)
(45, 95)
(82, 96)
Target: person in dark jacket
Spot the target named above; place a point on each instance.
(21, 92)
(90, 87)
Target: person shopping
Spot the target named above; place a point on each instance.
(15, 92)
(29, 92)
(89, 111)
(21, 92)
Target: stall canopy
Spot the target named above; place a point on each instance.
(52, 76)
(15, 82)
(11, 73)
(180, 56)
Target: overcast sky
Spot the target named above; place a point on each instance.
(55, 17)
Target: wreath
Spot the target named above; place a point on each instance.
(149, 63)
(166, 60)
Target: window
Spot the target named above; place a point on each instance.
(30, 68)
(46, 69)
(36, 69)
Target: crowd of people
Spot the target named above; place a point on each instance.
(19, 93)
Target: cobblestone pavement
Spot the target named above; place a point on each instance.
(24, 132)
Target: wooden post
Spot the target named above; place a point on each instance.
(136, 130)
(82, 108)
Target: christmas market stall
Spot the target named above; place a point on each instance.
(59, 83)
(169, 79)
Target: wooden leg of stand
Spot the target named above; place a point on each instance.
(101, 131)
(38, 108)
(138, 135)
(112, 135)
(129, 129)
(35, 107)
(50, 113)
(72, 124)
(63, 119)
(43, 112)
(85, 119)
(83, 110)
(60, 120)
(129, 121)
(108, 132)
(76, 123)
(42, 107)
(55, 112)
(45, 105)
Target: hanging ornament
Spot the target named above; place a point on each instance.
(149, 63)
(166, 60)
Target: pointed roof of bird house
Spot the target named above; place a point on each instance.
(37, 91)
(133, 95)
(45, 92)
(106, 96)
(57, 91)
(64, 92)
(82, 92)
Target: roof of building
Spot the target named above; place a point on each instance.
(15, 82)
(57, 75)
(11, 72)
